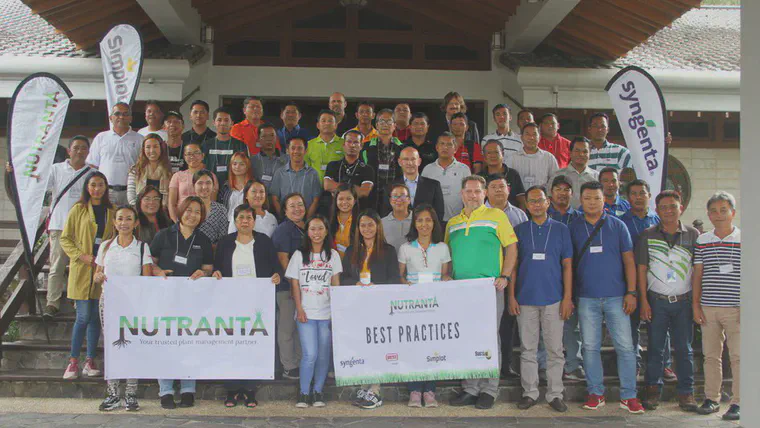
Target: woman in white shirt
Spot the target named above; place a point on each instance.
(124, 255)
(256, 196)
(312, 270)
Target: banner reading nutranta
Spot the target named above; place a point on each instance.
(121, 54)
(176, 328)
(402, 333)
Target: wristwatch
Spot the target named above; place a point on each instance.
(507, 277)
(632, 293)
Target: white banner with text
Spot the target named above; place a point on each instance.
(177, 328)
(402, 333)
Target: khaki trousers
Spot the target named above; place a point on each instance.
(57, 277)
(721, 325)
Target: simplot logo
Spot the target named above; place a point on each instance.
(436, 358)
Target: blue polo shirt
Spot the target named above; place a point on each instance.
(285, 136)
(637, 225)
(539, 282)
(600, 272)
(566, 218)
(620, 207)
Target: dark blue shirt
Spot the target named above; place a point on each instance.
(284, 136)
(539, 282)
(600, 272)
(567, 218)
(620, 207)
(287, 238)
(637, 225)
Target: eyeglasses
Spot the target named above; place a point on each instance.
(536, 201)
(193, 154)
(399, 197)
(384, 121)
(121, 114)
(152, 199)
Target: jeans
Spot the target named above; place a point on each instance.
(315, 347)
(676, 317)
(424, 386)
(88, 320)
(166, 387)
(591, 313)
(635, 325)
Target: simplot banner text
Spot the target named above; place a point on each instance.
(176, 328)
(402, 333)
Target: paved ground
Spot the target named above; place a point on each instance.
(60, 413)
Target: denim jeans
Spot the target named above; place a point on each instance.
(591, 313)
(424, 386)
(166, 386)
(635, 325)
(675, 317)
(571, 341)
(315, 339)
(88, 320)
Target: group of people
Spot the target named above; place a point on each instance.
(399, 198)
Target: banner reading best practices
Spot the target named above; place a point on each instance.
(402, 333)
(176, 328)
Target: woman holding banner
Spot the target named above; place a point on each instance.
(152, 168)
(370, 260)
(89, 223)
(245, 254)
(422, 259)
(122, 256)
(182, 250)
(312, 270)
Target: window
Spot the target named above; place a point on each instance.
(319, 50)
(334, 19)
(731, 130)
(690, 130)
(384, 51)
(254, 48)
(369, 20)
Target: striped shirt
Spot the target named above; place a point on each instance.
(510, 142)
(610, 154)
(535, 169)
(721, 264)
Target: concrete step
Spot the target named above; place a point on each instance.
(50, 384)
(38, 354)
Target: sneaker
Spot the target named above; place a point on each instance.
(50, 312)
(112, 402)
(319, 400)
(186, 399)
(594, 402)
(303, 401)
(72, 370)
(577, 374)
(291, 374)
(359, 397)
(429, 398)
(90, 369)
(708, 407)
(167, 402)
(669, 375)
(633, 405)
(371, 401)
(131, 401)
(732, 414)
(415, 399)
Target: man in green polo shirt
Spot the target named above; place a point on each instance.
(327, 146)
(483, 245)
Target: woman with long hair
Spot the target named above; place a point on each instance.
(90, 222)
(232, 193)
(152, 168)
(370, 260)
(122, 256)
(181, 185)
(151, 216)
(424, 258)
(216, 223)
(345, 209)
(310, 287)
(256, 197)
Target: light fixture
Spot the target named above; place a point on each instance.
(207, 34)
(699, 114)
(728, 115)
(353, 3)
(497, 41)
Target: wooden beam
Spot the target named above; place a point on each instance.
(236, 22)
(599, 47)
(446, 17)
(219, 10)
(645, 10)
(596, 17)
(96, 30)
(97, 13)
(609, 36)
(41, 6)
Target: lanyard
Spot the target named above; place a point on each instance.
(189, 247)
(731, 257)
(303, 181)
(546, 244)
(350, 169)
(424, 253)
(601, 232)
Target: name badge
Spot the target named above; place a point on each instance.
(529, 181)
(541, 256)
(324, 167)
(595, 249)
(726, 268)
(446, 190)
(266, 177)
(424, 278)
(673, 257)
(221, 168)
(383, 167)
(365, 278)
(243, 271)
(671, 276)
(179, 259)
(220, 152)
(98, 241)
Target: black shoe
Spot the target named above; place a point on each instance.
(732, 414)
(485, 401)
(112, 402)
(167, 402)
(463, 399)
(49, 313)
(319, 400)
(371, 401)
(303, 401)
(558, 405)
(708, 407)
(291, 374)
(187, 399)
(526, 403)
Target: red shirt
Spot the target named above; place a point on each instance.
(559, 147)
(249, 134)
(462, 155)
(403, 134)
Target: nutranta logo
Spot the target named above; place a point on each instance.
(413, 305)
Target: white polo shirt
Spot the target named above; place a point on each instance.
(451, 184)
(114, 155)
(123, 261)
(60, 176)
(162, 133)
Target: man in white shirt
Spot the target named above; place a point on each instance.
(535, 166)
(154, 116)
(449, 172)
(60, 176)
(578, 171)
(510, 140)
(115, 151)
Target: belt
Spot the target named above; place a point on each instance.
(671, 299)
(118, 188)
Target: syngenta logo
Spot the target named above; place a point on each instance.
(640, 124)
(188, 326)
(119, 67)
(353, 361)
(413, 305)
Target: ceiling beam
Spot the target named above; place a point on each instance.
(240, 20)
(446, 16)
(533, 22)
(177, 20)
